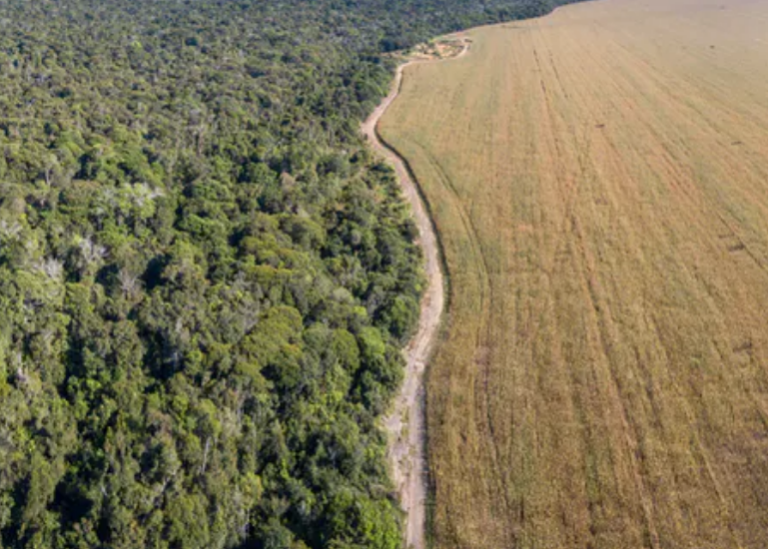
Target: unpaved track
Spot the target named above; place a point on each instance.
(405, 425)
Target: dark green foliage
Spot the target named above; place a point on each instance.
(204, 276)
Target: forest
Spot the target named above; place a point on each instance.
(205, 275)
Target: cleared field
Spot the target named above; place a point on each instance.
(599, 179)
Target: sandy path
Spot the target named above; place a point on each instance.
(406, 424)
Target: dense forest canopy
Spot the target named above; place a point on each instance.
(205, 277)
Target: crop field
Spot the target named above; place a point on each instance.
(599, 180)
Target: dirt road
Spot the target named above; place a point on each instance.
(405, 425)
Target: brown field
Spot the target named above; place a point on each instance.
(599, 179)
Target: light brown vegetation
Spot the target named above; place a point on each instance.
(599, 181)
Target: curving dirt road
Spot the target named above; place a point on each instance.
(406, 424)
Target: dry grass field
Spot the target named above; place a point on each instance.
(599, 178)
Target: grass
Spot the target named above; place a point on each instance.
(599, 182)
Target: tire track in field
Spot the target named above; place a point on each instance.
(584, 266)
(695, 200)
(605, 337)
(483, 337)
(699, 202)
(703, 454)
